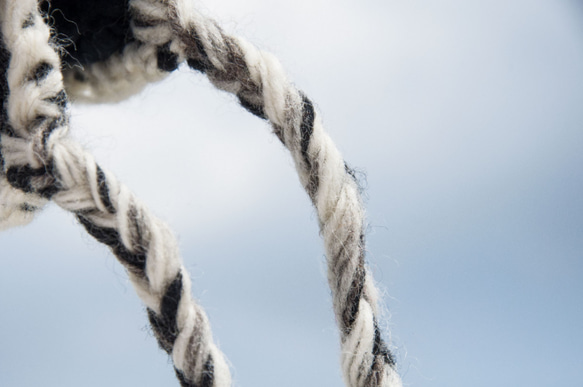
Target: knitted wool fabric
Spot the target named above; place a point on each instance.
(107, 50)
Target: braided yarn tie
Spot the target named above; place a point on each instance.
(39, 162)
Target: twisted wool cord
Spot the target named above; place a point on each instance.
(40, 161)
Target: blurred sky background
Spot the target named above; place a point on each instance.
(467, 118)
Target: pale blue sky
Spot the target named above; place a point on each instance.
(467, 119)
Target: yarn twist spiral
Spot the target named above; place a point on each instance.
(38, 162)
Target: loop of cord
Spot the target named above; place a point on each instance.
(40, 163)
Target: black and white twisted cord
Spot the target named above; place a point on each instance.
(62, 171)
(40, 163)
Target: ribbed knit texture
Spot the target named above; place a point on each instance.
(39, 163)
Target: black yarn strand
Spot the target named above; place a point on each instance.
(167, 60)
(104, 191)
(40, 72)
(306, 130)
(111, 238)
(254, 109)
(201, 62)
